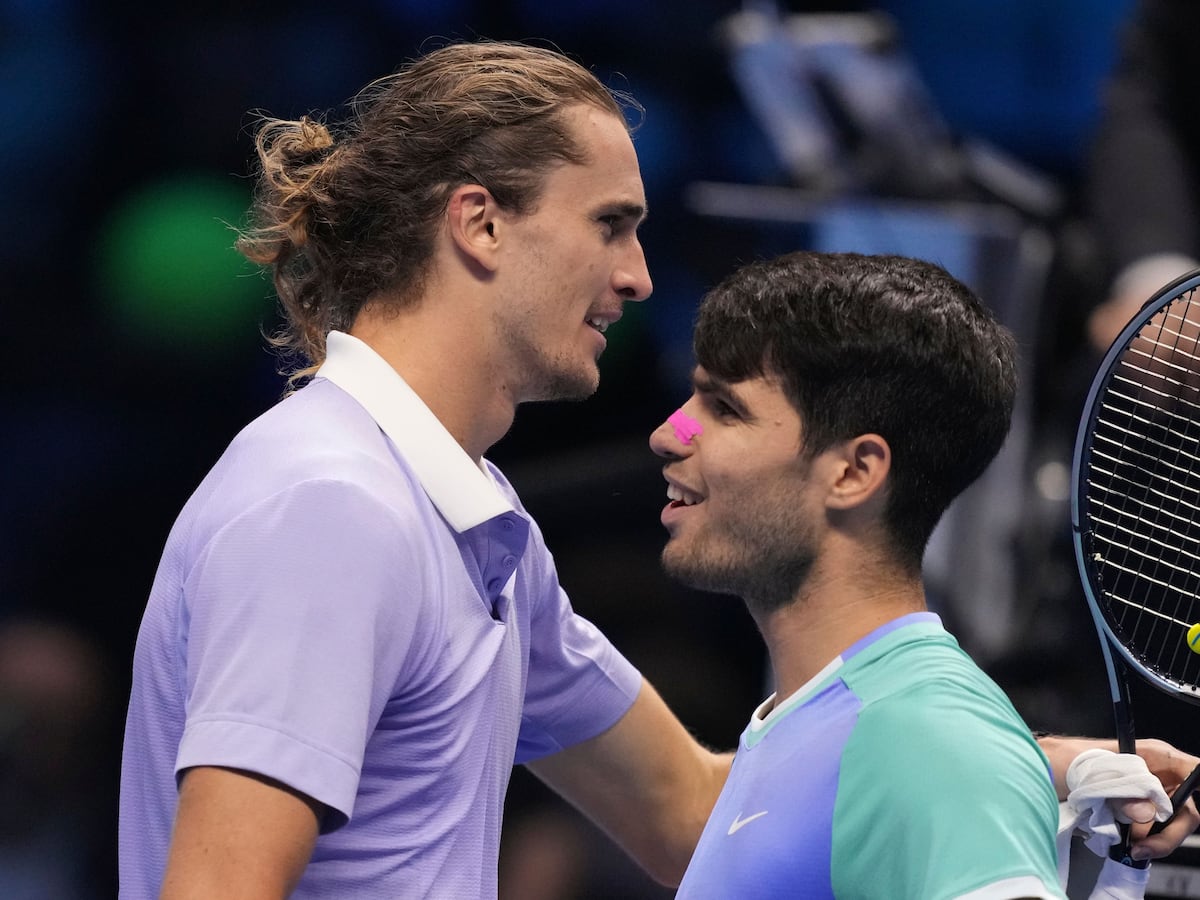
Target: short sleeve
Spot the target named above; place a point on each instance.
(301, 614)
(940, 796)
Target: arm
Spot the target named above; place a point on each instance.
(289, 665)
(645, 781)
(238, 835)
(1168, 764)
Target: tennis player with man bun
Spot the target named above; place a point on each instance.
(356, 630)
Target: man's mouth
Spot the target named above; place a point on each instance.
(679, 497)
(601, 325)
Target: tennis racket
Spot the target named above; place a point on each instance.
(1135, 512)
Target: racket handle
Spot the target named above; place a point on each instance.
(1120, 851)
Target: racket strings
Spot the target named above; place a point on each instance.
(1143, 493)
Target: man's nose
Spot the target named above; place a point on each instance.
(633, 277)
(673, 438)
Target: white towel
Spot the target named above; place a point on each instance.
(1097, 779)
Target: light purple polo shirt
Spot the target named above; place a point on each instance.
(350, 605)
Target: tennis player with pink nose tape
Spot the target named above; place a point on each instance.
(792, 502)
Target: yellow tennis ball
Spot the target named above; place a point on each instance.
(1194, 638)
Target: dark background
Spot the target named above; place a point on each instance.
(132, 350)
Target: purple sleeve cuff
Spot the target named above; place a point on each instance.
(315, 772)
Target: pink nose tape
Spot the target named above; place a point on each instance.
(685, 426)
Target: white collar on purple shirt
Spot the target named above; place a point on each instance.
(464, 493)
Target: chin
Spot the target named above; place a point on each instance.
(568, 385)
(685, 568)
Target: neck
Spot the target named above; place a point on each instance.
(441, 351)
(830, 614)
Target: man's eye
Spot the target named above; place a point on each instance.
(723, 409)
(610, 223)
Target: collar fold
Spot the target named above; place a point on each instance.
(464, 493)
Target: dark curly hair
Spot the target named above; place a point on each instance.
(873, 344)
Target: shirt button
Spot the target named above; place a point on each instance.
(510, 562)
(507, 524)
(495, 585)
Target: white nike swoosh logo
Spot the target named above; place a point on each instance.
(738, 821)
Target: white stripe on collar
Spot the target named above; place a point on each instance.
(463, 492)
(768, 711)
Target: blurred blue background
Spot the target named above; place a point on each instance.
(132, 345)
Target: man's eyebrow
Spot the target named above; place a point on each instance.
(709, 384)
(630, 210)
(703, 382)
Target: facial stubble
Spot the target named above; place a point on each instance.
(763, 553)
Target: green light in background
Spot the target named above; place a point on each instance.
(167, 269)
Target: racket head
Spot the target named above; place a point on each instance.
(1135, 507)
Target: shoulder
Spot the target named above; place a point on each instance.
(921, 661)
(293, 481)
(316, 445)
(316, 430)
(314, 534)
(958, 728)
(932, 698)
(935, 716)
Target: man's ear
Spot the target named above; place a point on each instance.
(472, 219)
(862, 466)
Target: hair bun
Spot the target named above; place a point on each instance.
(312, 137)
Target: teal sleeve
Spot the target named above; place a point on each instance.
(941, 792)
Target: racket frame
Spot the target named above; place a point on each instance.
(1117, 657)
